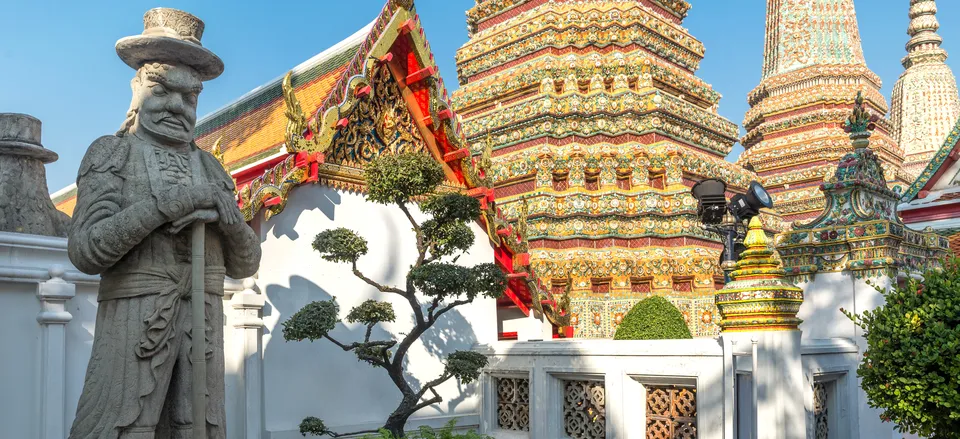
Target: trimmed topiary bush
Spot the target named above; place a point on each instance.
(654, 318)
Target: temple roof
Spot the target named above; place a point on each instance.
(252, 126)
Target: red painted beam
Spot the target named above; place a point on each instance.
(516, 300)
(512, 276)
(445, 114)
(421, 74)
(272, 201)
(456, 155)
(507, 336)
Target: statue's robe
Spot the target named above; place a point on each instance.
(139, 376)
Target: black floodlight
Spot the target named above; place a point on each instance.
(748, 205)
(711, 200)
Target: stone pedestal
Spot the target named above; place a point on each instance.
(25, 205)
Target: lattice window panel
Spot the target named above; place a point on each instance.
(513, 404)
(584, 412)
(820, 413)
(671, 412)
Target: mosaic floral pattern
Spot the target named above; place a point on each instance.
(925, 101)
(635, 67)
(579, 25)
(599, 146)
(813, 67)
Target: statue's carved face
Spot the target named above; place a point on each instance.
(168, 102)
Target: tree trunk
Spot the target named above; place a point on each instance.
(398, 419)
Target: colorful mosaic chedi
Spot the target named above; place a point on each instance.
(813, 67)
(597, 127)
(925, 103)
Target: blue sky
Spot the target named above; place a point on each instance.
(57, 58)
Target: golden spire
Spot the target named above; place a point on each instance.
(758, 299)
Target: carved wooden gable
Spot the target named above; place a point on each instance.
(380, 123)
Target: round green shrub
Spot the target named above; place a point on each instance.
(654, 318)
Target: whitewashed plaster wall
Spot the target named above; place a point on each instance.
(822, 299)
(44, 344)
(318, 379)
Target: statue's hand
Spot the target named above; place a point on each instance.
(204, 215)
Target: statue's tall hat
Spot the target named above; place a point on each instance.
(170, 36)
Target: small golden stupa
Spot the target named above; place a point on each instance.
(758, 298)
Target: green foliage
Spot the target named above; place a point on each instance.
(372, 312)
(452, 207)
(340, 245)
(447, 238)
(486, 280)
(371, 353)
(314, 426)
(465, 365)
(398, 178)
(312, 322)
(425, 432)
(911, 368)
(440, 279)
(654, 318)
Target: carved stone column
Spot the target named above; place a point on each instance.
(248, 305)
(53, 318)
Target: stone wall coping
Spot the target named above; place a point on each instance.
(700, 347)
(828, 346)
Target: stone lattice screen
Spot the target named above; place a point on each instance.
(820, 414)
(671, 412)
(513, 404)
(584, 409)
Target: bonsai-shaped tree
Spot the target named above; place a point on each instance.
(653, 318)
(911, 368)
(433, 286)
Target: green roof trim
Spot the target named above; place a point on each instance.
(273, 91)
(934, 166)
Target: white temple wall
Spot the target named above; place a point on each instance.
(319, 379)
(822, 299)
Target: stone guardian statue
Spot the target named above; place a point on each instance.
(138, 193)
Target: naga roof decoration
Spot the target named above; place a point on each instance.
(813, 65)
(939, 166)
(926, 103)
(596, 128)
(859, 230)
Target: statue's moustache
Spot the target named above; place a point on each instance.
(160, 117)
